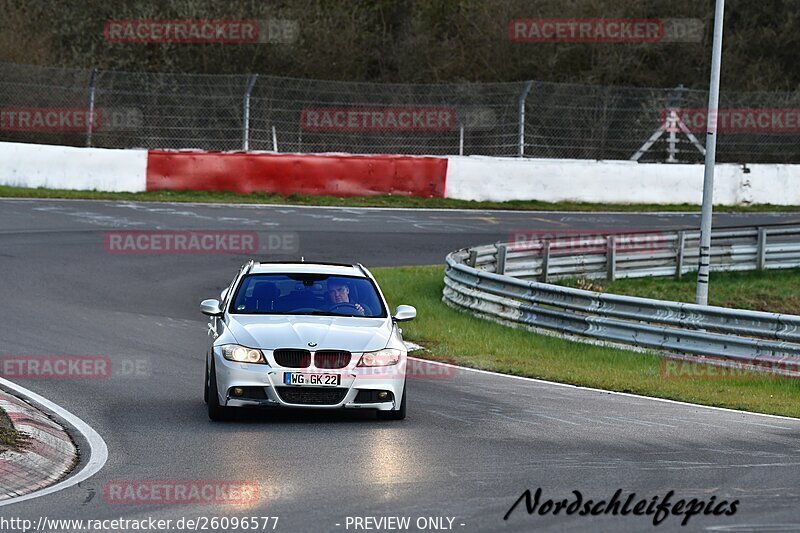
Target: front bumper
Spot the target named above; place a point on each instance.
(231, 375)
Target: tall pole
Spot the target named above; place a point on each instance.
(521, 104)
(711, 152)
(246, 112)
(91, 121)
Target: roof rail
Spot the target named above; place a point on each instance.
(330, 263)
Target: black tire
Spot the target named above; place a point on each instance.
(399, 414)
(216, 412)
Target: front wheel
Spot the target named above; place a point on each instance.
(398, 414)
(216, 412)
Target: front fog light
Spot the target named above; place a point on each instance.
(386, 357)
(240, 354)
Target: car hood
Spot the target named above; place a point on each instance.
(269, 332)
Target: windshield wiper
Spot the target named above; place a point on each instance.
(327, 313)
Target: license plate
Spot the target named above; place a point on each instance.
(316, 380)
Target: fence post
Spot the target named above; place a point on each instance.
(500, 265)
(679, 260)
(611, 254)
(90, 122)
(461, 139)
(672, 147)
(761, 254)
(274, 139)
(522, 97)
(246, 112)
(545, 260)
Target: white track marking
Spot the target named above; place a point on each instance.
(626, 394)
(360, 208)
(98, 451)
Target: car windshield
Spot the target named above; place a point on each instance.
(308, 294)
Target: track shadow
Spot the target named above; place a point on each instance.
(302, 416)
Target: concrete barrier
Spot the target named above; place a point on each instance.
(460, 177)
(67, 167)
(557, 180)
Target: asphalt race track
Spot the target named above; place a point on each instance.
(470, 446)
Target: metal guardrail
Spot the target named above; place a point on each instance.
(552, 256)
(488, 280)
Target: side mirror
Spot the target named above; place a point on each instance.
(404, 312)
(210, 307)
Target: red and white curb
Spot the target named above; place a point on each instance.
(48, 455)
(45, 465)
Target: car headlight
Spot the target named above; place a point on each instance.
(241, 354)
(385, 357)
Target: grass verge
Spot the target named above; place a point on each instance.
(776, 291)
(454, 336)
(223, 197)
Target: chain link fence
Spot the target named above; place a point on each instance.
(111, 109)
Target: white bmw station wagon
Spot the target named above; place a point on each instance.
(305, 335)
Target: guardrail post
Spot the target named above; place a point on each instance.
(246, 112)
(473, 258)
(761, 254)
(679, 259)
(611, 254)
(545, 260)
(500, 265)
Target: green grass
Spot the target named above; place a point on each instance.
(362, 201)
(454, 336)
(777, 291)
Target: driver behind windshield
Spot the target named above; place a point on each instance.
(339, 299)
